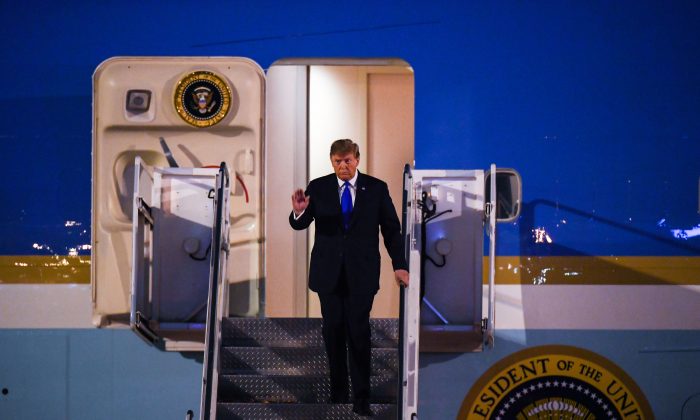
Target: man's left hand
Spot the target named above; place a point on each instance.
(401, 277)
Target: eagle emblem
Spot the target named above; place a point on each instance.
(202, 99)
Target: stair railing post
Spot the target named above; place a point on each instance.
(409, 309)
(217, 302)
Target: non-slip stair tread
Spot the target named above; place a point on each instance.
(294, 361)
(297, 332)
(277, 368)
(292, 389)
(239, 411)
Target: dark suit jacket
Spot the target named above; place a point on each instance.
(358, 248)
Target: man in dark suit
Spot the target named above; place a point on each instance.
(349, 208)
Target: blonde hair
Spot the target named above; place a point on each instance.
(345, 146)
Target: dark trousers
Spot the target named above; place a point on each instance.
(346, 332)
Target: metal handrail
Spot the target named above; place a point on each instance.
(409, 307)
(402, 296)
(490, 321)
(216, 286)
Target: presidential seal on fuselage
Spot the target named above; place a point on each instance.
(555, 382)
(202, 99)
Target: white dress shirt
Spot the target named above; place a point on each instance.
(353, 188)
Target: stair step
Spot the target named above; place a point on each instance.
(237, 411)
(313, 389)
(297, 332)
(295, 361)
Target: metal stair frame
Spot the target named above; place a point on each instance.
(217, 302)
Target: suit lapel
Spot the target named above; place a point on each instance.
(334, 192)
(360, 191)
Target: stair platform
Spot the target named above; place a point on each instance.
(297, 332)
(238, 411)
(295, 389)
(295, 360)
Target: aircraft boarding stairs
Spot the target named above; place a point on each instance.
(257, 368)
(277, 368)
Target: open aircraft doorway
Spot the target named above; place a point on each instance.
(311, 103)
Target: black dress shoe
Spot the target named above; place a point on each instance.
(361, 407)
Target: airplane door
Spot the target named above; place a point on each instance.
(173, 245)
(179, 115)
(449, 222)
(452, 209)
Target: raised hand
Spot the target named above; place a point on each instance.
(299, 202)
